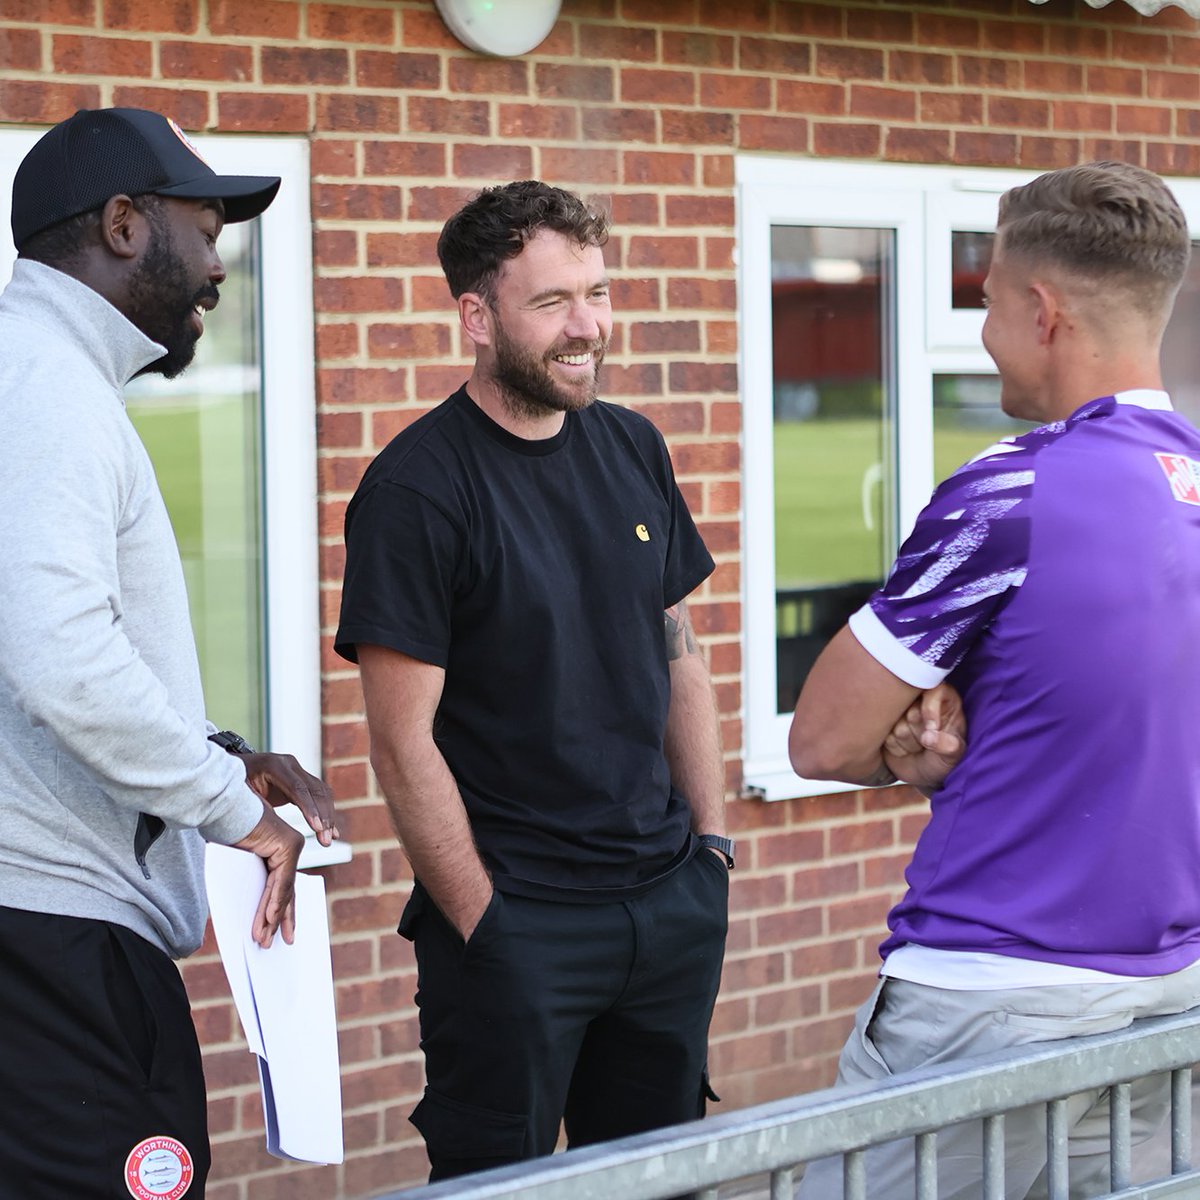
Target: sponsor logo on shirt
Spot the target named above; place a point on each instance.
(159, 1168)
(1183, 474)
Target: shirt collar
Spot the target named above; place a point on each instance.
(1151, 398)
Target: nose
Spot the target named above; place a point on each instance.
(216, 271)
(582, 323)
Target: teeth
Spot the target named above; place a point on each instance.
(574, 360)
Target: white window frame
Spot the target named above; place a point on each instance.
(922, 204)
(289, 461)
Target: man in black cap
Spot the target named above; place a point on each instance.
(111, 779)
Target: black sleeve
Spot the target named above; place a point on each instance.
(403, 556)
(689, 563)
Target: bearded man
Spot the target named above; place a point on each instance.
(542, 722)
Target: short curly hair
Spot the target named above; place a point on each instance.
(495, 225)
(1109, 222)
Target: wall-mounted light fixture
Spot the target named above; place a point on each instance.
(501, 27)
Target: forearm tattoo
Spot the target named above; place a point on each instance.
(681, 637)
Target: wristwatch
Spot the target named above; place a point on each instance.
(713, 841)
(233, 742)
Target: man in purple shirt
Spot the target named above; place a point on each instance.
(1054, 582)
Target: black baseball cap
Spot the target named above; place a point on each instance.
(99, 153)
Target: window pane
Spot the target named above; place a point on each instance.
(203, 433)
(834, 398)
(970, 257)
(1181, 347)
(967, 419)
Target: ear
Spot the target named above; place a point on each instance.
(476, 318)
(123, 230)
(1048, 311)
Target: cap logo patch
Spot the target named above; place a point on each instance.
(1183, 474)
(187, 141)
(159, 1168)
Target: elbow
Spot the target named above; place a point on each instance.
(810, 753)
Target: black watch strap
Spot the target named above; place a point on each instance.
(713, 841)
(234, 743)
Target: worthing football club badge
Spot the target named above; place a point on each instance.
(159, 1168)
(1183, 474)
(187, 141)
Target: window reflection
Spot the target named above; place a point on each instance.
(1181, 347)
(834, 398)
(967, 419)
(970, 258)
(203, 433)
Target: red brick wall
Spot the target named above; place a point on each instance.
(645, 102)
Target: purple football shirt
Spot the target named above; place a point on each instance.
(1055, 580)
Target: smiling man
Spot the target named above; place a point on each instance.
(111, 779)
(542, 723)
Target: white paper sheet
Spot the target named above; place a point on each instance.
(284, 998)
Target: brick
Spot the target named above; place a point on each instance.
(847, 140)
(644, 86)
(810, 20)
(952, 108)
(789, 134)
(985, 149)
(822, 882)
(1173, 158)
(863, 835)
(252, 111)
(425, 28)
(556, 122)
(188, 108)
(75, 55)
(1173, 85)
(419, 340)
(673, 416)
(20, 49)
(1015, 37)
(357, 202)
(888, 104)
(662, 251)
(263, 18)
(1057, 77)
(649, 167)
(785, 849)
(1185, 52)
(436, 203)
(575, 82)
(206, 60)
(490, 75)
(949, 32)
(620, 125)
(492, 162)
(621, 42)
(1018, 111)
(635, 208)
(817, 99)
(153, 16)
(689, 48)
(880, 25)
(343, 23)
(716, 170)
(333, 156)
(359, 385)
(696, 127)
(1143, 119)
(631, 295)
(702, 293)
(389, 69)
(978, 71)
(336, 342)
(711, 617)
(784, 928)
(703, 377)
(700, 210)
(751, 974)
(1077, 39)
(432, 114)
(359, 294)
(849, 62)
(336, 247)
(779, 56)
(305, 65)
(570, 165)
(723, 418)
(720, 252)
(1150, 48)
(909, 66)
(638, 379)
(1115, 81)
(1049, 153)
(358, 112)
(45, 103)
(50, 12)
(404, 160)
(734, 91)
(1082, 115)
(402, 250)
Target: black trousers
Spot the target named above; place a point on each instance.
(594, 1015)
(100, 1070)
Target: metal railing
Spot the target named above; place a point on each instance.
(774, 1138)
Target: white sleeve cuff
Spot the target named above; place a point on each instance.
(880, 643)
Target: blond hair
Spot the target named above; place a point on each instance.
(1109, 223)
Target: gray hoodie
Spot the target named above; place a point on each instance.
(101, 709)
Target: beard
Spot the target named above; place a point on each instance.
(527, 387)
(162, 297)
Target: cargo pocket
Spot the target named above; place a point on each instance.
(130, 1009)
(462, 1137)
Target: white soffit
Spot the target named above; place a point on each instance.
(1147, 7)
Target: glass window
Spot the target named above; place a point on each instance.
(967, 419)
(970, 258)
(1181, 347)
(203, 431)
(832, 408)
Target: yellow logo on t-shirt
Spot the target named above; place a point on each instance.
(642, 532)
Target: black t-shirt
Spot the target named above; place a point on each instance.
(536, 573)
